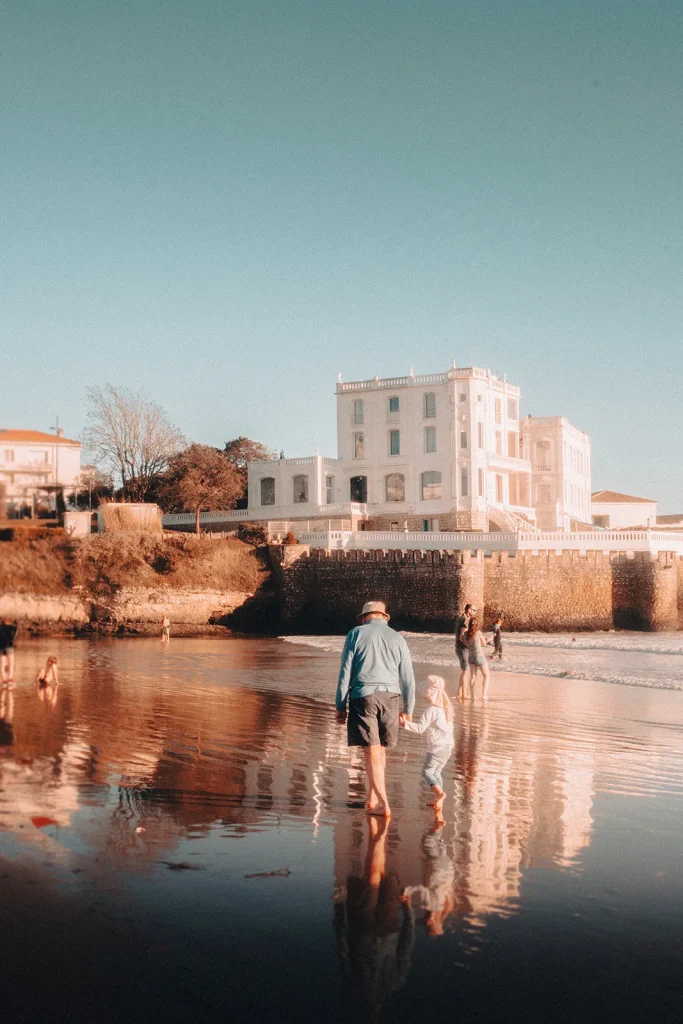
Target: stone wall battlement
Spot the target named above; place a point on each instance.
(533, 590)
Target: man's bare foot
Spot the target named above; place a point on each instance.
(380, 810)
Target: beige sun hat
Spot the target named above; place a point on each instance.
(374, 608)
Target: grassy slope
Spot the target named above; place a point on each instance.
(102, 564)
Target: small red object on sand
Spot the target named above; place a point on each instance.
(40, 822)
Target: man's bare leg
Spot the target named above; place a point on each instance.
(461, 684)
(375, 766)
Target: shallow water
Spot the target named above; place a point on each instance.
(553, 891)
(626, 658)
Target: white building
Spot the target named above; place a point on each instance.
(34, 466)
(437, 452)
(615, 511)
(560, 457)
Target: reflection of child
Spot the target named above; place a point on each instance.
(435, 895)
(437, 725)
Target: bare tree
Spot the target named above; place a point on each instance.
(130, 434)
(200, 479)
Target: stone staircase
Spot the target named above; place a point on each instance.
(511, 522)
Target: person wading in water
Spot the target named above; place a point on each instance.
(375, 672)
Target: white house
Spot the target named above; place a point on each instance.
(616, 511)
(34, 466)
(436, 452)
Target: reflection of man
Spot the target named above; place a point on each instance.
(374, 930)
(375, 671)
(6, 717)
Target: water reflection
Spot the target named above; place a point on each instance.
(136, 760)
(373, 924)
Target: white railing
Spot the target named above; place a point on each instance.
(180, 518)
(359, 540)
(617, 541)
(308, 460)
(509, 461)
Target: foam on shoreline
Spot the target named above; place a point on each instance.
(624, 659)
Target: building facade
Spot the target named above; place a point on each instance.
(612, 510)
(560, 459)
(444, 451)
(34, 467)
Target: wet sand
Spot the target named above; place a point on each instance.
(553, 891)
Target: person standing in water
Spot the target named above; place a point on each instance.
(165, 629)
(497, 640)
(375, 673)
(461, 623)
(8, 631)
(437, 726)
(47, 680)
(475, 641)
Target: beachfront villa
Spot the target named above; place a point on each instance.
(612, 510)
(35, 467)
(440, 452)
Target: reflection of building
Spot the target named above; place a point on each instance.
(35, 466)
(438, 452)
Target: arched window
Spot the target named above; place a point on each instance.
(300, 483)
(359, 489)
(268, 490)
(430, 485)
(395, 487)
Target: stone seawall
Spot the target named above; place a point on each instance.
(127, 607)
(317, 591)
(325, 592)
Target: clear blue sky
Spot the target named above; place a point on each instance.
(225, 202)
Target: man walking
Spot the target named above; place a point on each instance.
(461, 624)
(8, 631)
(376, 671)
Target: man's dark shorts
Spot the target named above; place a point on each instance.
(462, 657)
(373, 720)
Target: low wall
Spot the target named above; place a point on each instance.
(318, 591)
(61, 608)
(127, 606)
(182, 606)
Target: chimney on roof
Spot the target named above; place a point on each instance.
(60, 432)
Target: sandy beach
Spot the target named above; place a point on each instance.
(144, 810)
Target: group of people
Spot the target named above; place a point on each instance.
(47, 679)
(469, 647)
(376, 675)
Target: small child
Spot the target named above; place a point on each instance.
(437, 725)
(48, 674)
(165, 629)
(497, 639)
